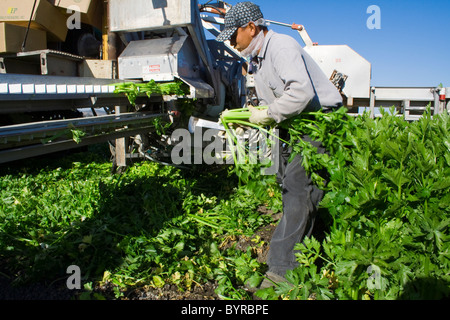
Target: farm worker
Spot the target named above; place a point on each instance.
(288, 81)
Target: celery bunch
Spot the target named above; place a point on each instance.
(234, 121)
(240, 117)
(132, 89)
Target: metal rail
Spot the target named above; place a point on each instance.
(29, 140)
(411, 102)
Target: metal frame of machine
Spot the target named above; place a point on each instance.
(166, 44)
(162, 40)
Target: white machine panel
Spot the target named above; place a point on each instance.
(139, 15)
(346, 61)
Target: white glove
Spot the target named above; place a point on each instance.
(260, 117)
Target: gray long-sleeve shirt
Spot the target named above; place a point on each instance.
(289, 81)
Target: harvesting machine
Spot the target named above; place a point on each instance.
(57, 82)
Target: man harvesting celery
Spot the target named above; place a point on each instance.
(288, 82)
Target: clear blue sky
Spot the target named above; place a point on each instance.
(411, 49)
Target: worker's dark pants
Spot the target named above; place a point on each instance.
(300, 203)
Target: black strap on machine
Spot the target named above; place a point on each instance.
(28, 28)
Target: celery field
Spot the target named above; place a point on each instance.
(384, 220)
(147, 227)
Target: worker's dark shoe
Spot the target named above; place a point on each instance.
(270, 280)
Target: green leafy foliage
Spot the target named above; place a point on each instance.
(150, 226)
(387, 195)
(133, 89)
(386, 211)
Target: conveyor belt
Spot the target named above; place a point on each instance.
(27, 93)
(28, 140)
(36, 93)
